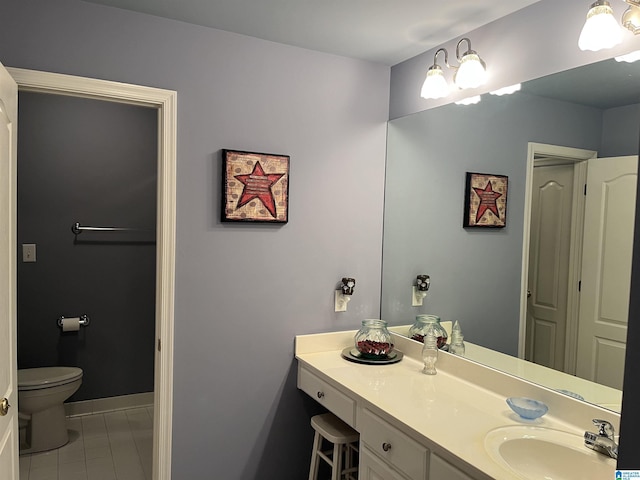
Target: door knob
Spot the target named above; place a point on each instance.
(4, 407)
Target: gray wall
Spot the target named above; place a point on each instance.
(620, 134)
(242, 291)
(475, 273)
(93, 162)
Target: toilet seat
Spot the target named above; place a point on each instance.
(46, 377)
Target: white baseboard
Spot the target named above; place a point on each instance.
(109, 404)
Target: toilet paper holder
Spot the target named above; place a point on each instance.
(84, 320)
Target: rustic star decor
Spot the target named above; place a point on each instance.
(255, 187)
(485, 200)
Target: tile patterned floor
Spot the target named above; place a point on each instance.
(105, 446)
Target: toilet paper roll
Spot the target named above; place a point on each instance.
(71, 324)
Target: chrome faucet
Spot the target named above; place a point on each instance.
(603, 441)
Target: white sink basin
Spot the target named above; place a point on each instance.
(537, 453)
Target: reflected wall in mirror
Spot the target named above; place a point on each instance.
(476, 276)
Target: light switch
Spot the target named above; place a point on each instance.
(28, 252)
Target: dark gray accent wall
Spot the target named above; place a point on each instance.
(242, 291)
(92, 162)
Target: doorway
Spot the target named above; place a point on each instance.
(550, 247)
(586, 278)
(549, 303)
(165, 103)
(607, 255)
(92, 163)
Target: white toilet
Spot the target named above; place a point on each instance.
(41, 394)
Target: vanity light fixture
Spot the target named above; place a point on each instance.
(631, 17)
(343, 294)
(601, 30)
(435, 85)
(420, 289)
(471, 73)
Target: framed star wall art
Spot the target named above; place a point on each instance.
(255, 187)
(485, 203)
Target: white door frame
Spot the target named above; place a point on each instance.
(165, 102)
(539, 154)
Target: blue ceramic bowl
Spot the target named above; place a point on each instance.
(527, 407)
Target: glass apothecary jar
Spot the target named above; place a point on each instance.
(420, 327)
(373, 340)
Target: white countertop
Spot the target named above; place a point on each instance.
(449, 412)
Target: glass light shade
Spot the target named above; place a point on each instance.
(601, 30)
(631, 19)
(434, 86)
(629, 57)
(507, 90)
(471, 72)
(469, 100)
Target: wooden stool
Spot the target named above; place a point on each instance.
(330, 429)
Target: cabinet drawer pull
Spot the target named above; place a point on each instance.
(320, 394)
(386, 446)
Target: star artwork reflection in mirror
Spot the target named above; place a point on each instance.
(485, 200)
(255, 187)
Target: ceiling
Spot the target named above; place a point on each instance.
(381, 31)
(387, 32)
(604, 84)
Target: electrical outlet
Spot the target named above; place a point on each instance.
(28, 252)
(341, 301)
(417, 297)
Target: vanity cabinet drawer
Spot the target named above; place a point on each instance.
(371, 467)
(334, 400)
(393, 446)
(440, 468)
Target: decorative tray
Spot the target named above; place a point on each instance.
(353, 355)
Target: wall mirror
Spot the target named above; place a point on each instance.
(476, 273)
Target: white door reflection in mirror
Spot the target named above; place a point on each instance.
(550, 242)
(606, 268)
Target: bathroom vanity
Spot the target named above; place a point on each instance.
(452, 425)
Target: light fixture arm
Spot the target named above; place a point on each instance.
(631, 17)
(468, 48)
(446, 57)
(468, 52)
(458, 56)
